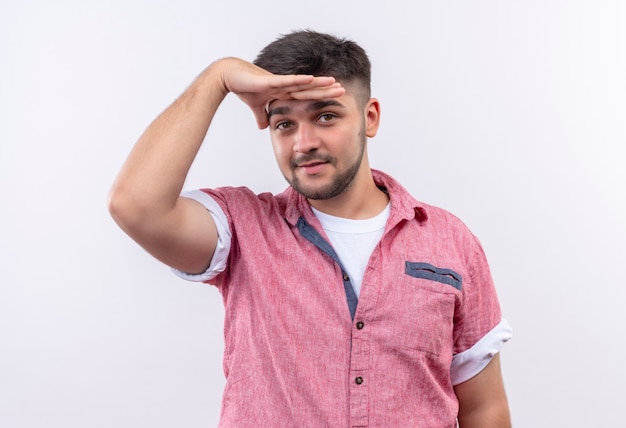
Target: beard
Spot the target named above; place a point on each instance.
(339, 182)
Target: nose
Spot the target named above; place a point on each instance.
(305, 139)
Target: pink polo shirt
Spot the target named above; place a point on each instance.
(300, 351)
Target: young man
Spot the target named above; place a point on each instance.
(347, 302)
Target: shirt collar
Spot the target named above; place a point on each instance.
(403, 205)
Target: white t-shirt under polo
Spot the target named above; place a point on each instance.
(354, 240)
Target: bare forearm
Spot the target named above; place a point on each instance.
(153, 175)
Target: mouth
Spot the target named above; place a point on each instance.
(311, 168)
(311, 163)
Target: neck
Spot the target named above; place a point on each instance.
(362, 199)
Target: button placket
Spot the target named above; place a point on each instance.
(359, 365)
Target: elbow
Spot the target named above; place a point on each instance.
(114, 205)
(137, 215)
(122, 209)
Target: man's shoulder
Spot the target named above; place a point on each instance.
(405, 200)
(241, 201)
(429, 215)
(439, 217)
(242, 193)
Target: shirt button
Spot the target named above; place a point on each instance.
(360, 325)
(346, 277)
(358, 380)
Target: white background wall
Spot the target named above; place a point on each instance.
(509, 114)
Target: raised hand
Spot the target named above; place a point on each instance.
(257, 87)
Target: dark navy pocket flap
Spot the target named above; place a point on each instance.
(428, 271)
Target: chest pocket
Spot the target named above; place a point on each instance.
(428, 296)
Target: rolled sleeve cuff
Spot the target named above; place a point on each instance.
(222, 249)
(469, 363)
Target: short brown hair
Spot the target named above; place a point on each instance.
(317, 54)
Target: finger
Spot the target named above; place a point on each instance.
(309, 92)
(261, 118)
(293, 83)
(333, 91)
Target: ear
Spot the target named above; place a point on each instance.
(372, 117)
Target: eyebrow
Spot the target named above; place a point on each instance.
(314, 106)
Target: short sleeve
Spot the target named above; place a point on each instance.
(469, 363)
(480, 330)
(224, 235)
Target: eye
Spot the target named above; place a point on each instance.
(326, 117)
(284, 125)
